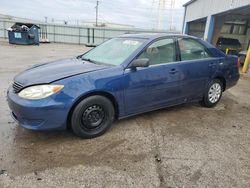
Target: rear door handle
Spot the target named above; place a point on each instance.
(173, 71)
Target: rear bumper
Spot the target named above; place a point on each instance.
(232, 81)
(45, 114)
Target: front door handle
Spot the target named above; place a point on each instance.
(173, 71)
(212, 64)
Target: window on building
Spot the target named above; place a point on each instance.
(234, 28)
(226, 29)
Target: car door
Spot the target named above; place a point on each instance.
(196, 66)
(155, 86)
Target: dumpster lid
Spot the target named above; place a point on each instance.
(29, 25)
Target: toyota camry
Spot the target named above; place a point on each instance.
(124, 76)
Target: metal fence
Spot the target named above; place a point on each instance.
(74, 34)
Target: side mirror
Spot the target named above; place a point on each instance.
(143, 62)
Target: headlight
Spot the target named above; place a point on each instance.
(39, 91)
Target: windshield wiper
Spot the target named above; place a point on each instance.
(93, 61)
(89, 60)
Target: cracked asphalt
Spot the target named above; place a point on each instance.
(182, 146)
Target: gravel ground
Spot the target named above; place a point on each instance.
(182, 146)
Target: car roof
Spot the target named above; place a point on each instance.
(153, 36)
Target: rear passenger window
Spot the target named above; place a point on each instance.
(191, 49)
(161, 51)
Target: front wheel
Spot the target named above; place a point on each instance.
(92, 117)
(213, 93)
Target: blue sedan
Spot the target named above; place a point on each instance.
(123, 76)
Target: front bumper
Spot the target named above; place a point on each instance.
(45, 114)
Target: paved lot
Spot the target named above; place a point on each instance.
(183, 146)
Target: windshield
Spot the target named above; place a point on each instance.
(113, 51)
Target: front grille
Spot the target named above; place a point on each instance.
(17, 87)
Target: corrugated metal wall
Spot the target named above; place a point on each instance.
(73, 34)
(202, 8)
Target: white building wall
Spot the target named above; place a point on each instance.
(200, 9)
(203, 8)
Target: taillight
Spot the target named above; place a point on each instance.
(238, 62)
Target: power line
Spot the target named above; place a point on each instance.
(162, 7)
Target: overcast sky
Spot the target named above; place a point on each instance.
(140, 13)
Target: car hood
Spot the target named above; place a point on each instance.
(56, 70)
(243, 53)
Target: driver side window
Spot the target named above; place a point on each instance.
(161, 51)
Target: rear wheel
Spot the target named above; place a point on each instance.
(92, 117)
(213, 93)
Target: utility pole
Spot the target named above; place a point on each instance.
(96, 14)
(161, 9)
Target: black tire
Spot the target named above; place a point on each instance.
(207, 101)
(92, 117)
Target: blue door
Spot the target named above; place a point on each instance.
(154, 86)
(196, 67)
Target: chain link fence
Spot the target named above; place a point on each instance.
(74, 34)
